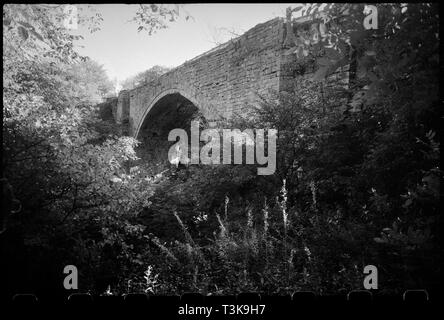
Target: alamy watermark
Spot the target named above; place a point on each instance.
(371, 17)
(256, 143)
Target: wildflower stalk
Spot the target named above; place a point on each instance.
(156, 241)
(184, 229)
(227, 200)
(313, 194)
(223, 229)
(314, 204)
(189, 238)
(248, 236)
(266, 226)
(283, 206)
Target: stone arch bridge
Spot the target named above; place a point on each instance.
(216, 83)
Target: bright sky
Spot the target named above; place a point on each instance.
(124, 52)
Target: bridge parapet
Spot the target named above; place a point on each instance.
(222, 80)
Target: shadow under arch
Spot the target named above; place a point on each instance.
(168, 111)
(166, 94)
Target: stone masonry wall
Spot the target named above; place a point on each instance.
(226, 78)
(219, 81)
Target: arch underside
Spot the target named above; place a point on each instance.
(169, 112)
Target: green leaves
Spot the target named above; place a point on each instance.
(153, 17)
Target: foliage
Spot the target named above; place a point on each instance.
(69, 179)
(145, 77)
(357, 181)
(153, 17)
(361, 172)
(91, 77)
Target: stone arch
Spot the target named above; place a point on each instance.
(169, 110)
(157, 99)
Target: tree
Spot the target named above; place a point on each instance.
(361, 168)
(92, 79)
(153, 17)
(68, 180)
(144, 77)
